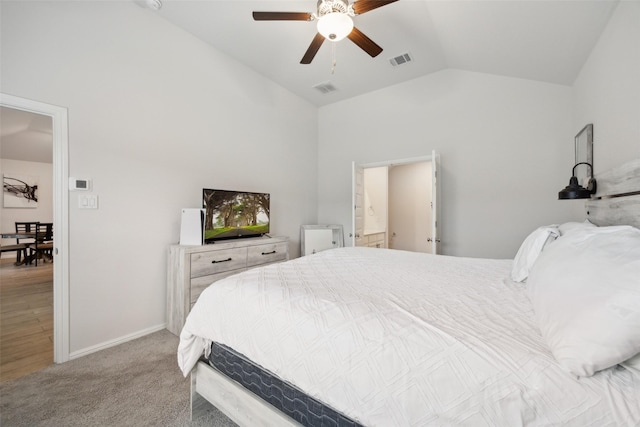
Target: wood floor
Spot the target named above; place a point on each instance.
(26, 318)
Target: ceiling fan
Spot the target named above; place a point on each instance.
(334, 23)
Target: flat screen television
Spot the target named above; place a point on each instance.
(234, 214)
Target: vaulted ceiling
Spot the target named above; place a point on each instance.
(543, 40)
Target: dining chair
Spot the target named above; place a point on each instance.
(43, 245)
(23, 243)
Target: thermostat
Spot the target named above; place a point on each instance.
(82, 184)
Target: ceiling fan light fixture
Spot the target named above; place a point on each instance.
(154, 4)
(335, 26)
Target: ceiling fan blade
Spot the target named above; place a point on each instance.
(313, 49)
(363, 6)
(364, 42)
(282, 16)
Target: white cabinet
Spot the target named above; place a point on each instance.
(317, 238)
(192, 268)
(376, 240)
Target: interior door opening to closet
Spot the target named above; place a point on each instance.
(395, 204)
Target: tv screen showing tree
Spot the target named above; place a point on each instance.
(234, 214)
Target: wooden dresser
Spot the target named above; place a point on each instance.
(192, 268)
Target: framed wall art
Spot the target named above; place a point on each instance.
(19, 191)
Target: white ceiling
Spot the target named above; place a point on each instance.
(25, 136)
(544, 40)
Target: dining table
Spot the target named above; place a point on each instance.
(18, 235)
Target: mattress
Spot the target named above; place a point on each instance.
(281, 395)
(393, 338)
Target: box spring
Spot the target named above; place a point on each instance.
(305, 409)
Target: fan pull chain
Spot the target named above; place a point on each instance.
(333, 55)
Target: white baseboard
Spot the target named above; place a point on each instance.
(114, 342)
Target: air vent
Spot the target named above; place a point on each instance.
(325, 87)
(402, 59)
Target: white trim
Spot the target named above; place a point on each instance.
(435, 204)
(117, 341)
(396, 162)
(60, 216)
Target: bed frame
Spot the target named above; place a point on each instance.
(617, 202)
(232, 399)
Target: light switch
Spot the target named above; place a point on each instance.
(88, 201)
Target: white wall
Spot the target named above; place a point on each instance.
(506, 144)
(607, 91)
(155, 115)
(44, 211)
(506, 149)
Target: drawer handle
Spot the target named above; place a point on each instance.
(268, 253)
(223, 260)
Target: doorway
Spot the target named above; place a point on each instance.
(396, 204)
(59, 134)
(26, 288)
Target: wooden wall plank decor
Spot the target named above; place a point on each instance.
(615, 211)
(621, 180)
(618, 198)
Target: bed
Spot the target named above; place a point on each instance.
(363, 336)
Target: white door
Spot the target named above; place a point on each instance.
(435, 205)
(410, 207)
(357, 181)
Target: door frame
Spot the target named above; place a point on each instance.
(59, 120)
(434, 158)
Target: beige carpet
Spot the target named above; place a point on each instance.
(134, 384)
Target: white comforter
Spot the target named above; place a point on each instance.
(393, 338)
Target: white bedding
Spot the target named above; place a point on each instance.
(393, 338)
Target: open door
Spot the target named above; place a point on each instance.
(432, 225)
(435, 203)
(357, 180)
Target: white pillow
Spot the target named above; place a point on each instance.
(585, 290)
(575, 226)
(530, 249)
(633, 364)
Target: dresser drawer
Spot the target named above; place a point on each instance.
(206, 263)
(199, 284)
(264, 254)
(191, 269)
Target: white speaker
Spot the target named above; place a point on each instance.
(192, 227)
